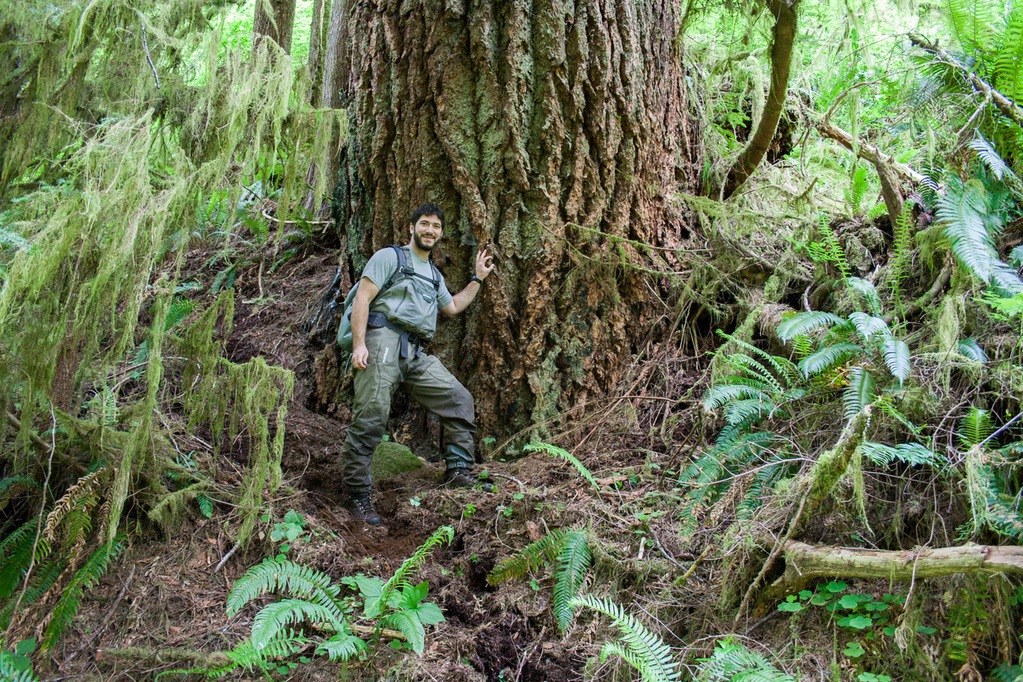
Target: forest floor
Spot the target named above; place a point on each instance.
(163, 606)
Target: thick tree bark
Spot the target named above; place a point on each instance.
(784, 12)
(552, 131)
(274, 19)
(805, 562)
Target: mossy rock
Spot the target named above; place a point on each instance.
(391, 459)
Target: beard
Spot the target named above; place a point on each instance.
(419, 243)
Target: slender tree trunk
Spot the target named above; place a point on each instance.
(554, 132)
(316, 51)
(784, 12)
(335, 62)
(275, 19)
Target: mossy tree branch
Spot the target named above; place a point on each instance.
(805, 562)
(784, 12)
(1006, 106)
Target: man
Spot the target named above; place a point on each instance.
(388, 328)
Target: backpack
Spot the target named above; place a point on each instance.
(404, 269)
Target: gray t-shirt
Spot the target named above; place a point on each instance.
(411, 302)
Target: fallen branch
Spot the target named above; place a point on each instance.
(865, 151)
(197, 659)
(805, 562)
(1005, 105)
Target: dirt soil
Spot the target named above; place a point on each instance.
(162, 607)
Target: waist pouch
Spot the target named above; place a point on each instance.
(408, 339)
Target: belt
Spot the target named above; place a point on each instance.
(408, 339)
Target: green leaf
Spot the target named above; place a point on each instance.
(924, 630)
(856, 622)
(850, 601)
(836, 586)
(853, 650)
(790, 607)
(429, 613)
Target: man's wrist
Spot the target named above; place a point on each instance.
(476, 278)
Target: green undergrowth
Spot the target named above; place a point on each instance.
(135, 140)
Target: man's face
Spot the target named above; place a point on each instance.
(427, 232)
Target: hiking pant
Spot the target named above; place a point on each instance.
(427, 381)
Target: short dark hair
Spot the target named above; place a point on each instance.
(426, 209)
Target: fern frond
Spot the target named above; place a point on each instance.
(561, 453)
(1008, 673)
(969, 348)
(572, 564)
(278, 616)
(407, 624)
(442, 534)
(755, 369)
(869, 325)
(529, 558)
(84, 579)
(783, 366)
(43, 577)
(974, 25)
(827, 357)
(10, 673)
(974, 427)
(83, 494)
(868, 292)
(964, 214)
(15, 556)
(342, 646)
(910, 453)
(14, 482)
(987, 153)
(745, 413)
(281, 575)
(896, 358)
(720, 394)
(859, 393)
(799, 324)
(732, 661)
(1008, 60)
(653, 656)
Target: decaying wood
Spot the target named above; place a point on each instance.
(805, 562)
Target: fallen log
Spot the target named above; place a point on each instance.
(805, 562)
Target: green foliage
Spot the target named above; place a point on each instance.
(567, 551)
(313, 597)
(974, 427)
(971, 219)
(909, 453)
(560, 453)
(82, 582)
(732, 661)
(15, 665)
(639, 647)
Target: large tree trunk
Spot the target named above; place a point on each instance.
(552, 131)
(274, 19)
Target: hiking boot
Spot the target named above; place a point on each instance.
(361, 509)
(463, 478)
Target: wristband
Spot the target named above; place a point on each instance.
(475, 278)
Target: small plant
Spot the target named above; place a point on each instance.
(568, 551)
(15, 665)
(313, 597)
(639, 647)
(561, 453)
(290, 530)
(732, 661)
